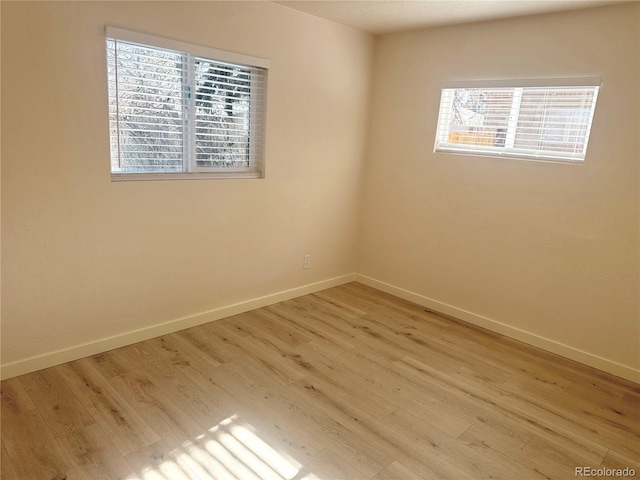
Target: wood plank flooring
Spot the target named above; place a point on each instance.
(348, 383)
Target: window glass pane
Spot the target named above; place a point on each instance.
(222, 106)
(479, 116)
(554, 120)
(145, 107)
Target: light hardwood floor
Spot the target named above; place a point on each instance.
(348, 383)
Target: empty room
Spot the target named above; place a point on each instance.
(320, 240)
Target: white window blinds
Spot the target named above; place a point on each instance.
(174, 108)
(545, 120)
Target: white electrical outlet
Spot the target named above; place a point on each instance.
(306, 263)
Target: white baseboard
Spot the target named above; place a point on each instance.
(547, 344)
(57, 357)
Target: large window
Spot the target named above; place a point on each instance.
(535, 119)
(178, 110)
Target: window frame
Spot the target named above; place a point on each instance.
(441, 145)
(193, 53)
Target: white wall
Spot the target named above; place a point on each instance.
(84, 258)
(545, 252)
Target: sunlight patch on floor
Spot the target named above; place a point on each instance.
(228, 451)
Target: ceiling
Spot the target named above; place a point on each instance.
(385, 16)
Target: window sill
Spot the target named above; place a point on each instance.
(513, 155)
(134, 177)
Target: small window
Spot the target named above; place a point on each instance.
(539, 119)
(178, 110)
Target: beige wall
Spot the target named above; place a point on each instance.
(84, 258)
(548, 249)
